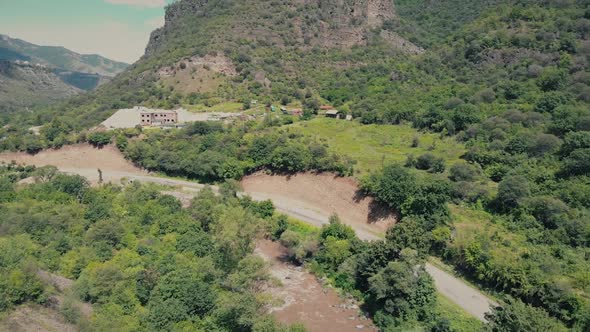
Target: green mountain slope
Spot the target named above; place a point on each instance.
(23, 86)
(35, 75)
(510, 80)
(58, 57)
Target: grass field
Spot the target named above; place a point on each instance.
(374, 145)
(459, 320)
(225, 107)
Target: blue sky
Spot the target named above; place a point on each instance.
(117, 29)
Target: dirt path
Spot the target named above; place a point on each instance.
(307, 197)
(322, 194)
(305, 300)
(313, 198)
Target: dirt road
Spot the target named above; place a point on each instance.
(308, 199)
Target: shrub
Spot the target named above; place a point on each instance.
(512, 190)
(100, 138)
(464, 172)
(431, 163)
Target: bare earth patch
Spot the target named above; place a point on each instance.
(35, 318)
(80, 159)
(305, 300)
(326, 193)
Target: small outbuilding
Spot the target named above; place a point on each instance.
(333, 114)
(296, 112)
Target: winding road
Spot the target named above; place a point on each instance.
(77, 160)
(468, 298)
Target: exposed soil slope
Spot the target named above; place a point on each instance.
(326, 193)
(305, 300)
(80, 159)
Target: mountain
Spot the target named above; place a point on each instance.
(506, 81)
(23, 85)
(58, 57)
(385, 61)
(35, 75)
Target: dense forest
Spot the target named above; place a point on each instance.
(507, 80)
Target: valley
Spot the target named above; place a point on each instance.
(283, 166)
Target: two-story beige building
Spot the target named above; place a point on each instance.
(149, 117)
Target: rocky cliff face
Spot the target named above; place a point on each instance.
(174, 13)
(308, 23)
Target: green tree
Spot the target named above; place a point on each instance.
(403, 290)
(516, 316)
(393, 186)
(291, 158)
(187, 290)
(512, 190)
(577, 163)
(234, 234)
(74, 185)
(100, 138)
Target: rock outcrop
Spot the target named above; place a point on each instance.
(324, 23)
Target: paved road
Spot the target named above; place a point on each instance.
(465, 296)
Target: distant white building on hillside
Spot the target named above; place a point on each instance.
(150, 117)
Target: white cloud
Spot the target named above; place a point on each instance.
(139, 3)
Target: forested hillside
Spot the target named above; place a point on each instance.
(140, 259)
(33, 75)
(508, 82)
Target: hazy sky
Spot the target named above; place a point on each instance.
(116, 29)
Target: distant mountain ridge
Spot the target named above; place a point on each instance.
(12, 49)
(24, 85)
(32, 75)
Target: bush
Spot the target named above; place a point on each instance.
(512, 190)
(515, 315)
(464, 172)
(100, 138)
(431, 163)
(547, 210)
(291, 158)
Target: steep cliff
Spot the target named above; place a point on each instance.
(301, 24)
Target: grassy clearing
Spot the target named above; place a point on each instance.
(373, 145)
(459, 319)
(302, 228)
(225, 107)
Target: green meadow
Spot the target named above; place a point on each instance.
(374, 145)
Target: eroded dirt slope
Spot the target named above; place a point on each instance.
(327, 193)
(81, 159)
(305, 300)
